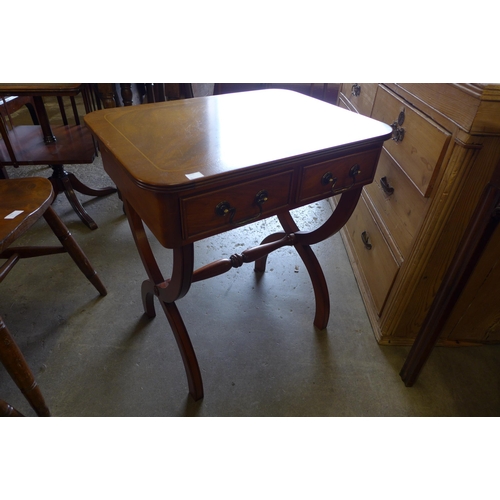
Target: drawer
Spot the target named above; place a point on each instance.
(375, 259)
(203, 214)
(399, 204)
(361, 96)
(418, 144)
(318, 181)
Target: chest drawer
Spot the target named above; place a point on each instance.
(361, 96)
(373, 254)
(227, 208)
(399, 204)
(324, 179)
(418, 144)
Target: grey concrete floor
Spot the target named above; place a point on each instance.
(258, 350)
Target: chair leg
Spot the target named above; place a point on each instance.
(74, 250)
(67, 183)
(17, 367)
(8, 411)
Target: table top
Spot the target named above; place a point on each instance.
(168, 144)
(40, 89)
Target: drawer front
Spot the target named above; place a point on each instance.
(361, 96)
(418, 143)
(399, 204)
(375, 259)
(203, 214)
(327, 178)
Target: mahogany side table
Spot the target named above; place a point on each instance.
(195, 168)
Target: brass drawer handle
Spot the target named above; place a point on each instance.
(388, 190)
(398, 132)
(328, 178)
(366, 241)
(355, 90)
(224, 208)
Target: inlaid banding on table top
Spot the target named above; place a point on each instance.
(226, 133)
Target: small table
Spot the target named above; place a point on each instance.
(54, 146)
(195, 168)
(37, 91)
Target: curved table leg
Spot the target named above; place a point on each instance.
(68, 183)
(84, 189)
(186, 349)
(303, 240)
(313, 267)
(260, 264)
(77, 206)
(168, 291)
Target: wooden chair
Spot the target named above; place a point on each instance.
(144, 93)
(22, 203)
(12, 104)
(56, 146)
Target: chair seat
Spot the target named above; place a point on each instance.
(22, 203)
(74, 145)
(31, 195)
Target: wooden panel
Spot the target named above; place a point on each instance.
(403, 210)
(378, 263)
(361, 96)
(422, 148)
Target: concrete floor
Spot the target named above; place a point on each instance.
(258, 350)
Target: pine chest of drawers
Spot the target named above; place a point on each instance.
(409, 221)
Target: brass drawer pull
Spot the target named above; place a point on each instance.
(355, 90)
(366, 241)
(398, 132)
(328, 178)
(224, 208)
(388, 190)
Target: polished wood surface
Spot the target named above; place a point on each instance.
(154, 150)
(221, 135)
(22, 203)
(191, 169)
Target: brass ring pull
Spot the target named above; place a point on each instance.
(224, 208)
(388, 189)
(366, 241)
